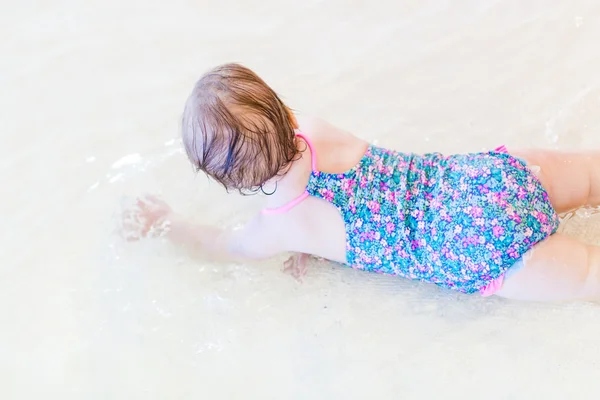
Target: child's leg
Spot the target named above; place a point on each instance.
(572, 179)
(560, 268)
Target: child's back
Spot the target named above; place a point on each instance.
(459, 221)
(307, 224)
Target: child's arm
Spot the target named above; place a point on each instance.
(244, 243)
(241, 244)
(152, 217)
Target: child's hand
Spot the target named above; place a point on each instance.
(149, 217)
(296, 266)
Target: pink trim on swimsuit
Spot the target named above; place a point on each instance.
(492, 287)
(287, 207)
(313, 154)
(495, 285)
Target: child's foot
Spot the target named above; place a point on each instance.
(296, 266)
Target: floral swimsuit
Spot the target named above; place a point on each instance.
(457, 221)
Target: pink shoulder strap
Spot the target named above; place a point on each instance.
(286, 207)
(501, 149)
(313, 153)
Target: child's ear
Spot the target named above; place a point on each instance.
(292, 118)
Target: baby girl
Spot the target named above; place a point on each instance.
(474, 223)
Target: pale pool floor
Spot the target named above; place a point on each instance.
(90, 98)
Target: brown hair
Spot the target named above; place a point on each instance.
(237, 130)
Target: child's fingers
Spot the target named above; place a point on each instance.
(130, 232)
(131, 217)
(131, 238)
(150, 200)
(147, 227)
(153, 199)
(144, 219)
(289, 264)
(296, 266)
(142, 204)
(153, 209)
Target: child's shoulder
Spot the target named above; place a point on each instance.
(319, 130)
(313, 126)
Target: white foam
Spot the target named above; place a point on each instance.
(130, 159)
(116, 178)
(93, 187)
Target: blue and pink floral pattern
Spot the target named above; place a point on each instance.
(457, 221)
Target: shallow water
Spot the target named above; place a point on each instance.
(90, 96)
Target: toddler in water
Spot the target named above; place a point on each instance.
(474, 223)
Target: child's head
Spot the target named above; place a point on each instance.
(237, 130)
